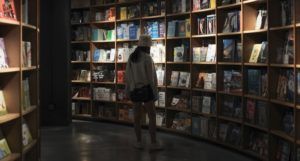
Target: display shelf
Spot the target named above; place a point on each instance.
(174, 87)
(29, 68)
(95, 62)
(254, 1)
(9, 70)
(205, 90)
(102, 22)
(298, 25)
(80, 82)
(177, 38)
(108, 83)
(287, 104)
(230, 6)
(282, 135)
(256, 97)
(12, 157)
(81, 98)
(9, 117)
(256, 127)
(282, 65)
(178, 14)
(183, 63)
(230, 119)
(153, 17)
(9, 22)
(29, 110)
(204, 10)
(204, 63)
(204, 114)
(229, 34)
(135, 40)
(103, 41)
(106, 101)
(29, 26)
(256, 64)
(128, 20)
(263, 31)
(31, 145)
(230, 63)
(80, 62)
(80, 42)
(288, 27)
(204, 36)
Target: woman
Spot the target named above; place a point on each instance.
(140, 77)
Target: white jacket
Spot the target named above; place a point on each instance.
(141, 73)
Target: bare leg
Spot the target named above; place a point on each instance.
(137, 121)
(152, 120)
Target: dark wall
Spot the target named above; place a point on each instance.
(54, 58)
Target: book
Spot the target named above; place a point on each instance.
(211, 53)
(211, 23)
(255, 53)
(8, 9)
(160, 76)
(123, 13)
(196, 54)
(184, 79)
(26, 54)
(3, 55)
(232, 107)
(257, 142)
(174, 78)
(261, 19)
(179, 53)
(25, 94)
(3, 108)
(26, 134)
(161, 99)
(206, 105)
(4, 147)
(187, 27)
(250, 111)
(232, 22)
(254, 82)
(202, 26)
(223, 130)
(229, 50)
(171, 29)
(25, 11)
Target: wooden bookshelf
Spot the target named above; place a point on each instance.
(248, 35)
(24, 28)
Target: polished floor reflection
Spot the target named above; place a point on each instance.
(90, 141)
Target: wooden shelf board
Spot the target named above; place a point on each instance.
(254, 1)
(109, 83)
(235, 5)
(204, 63)
(264, 31)
(95, 62)
(177, 38)
(183, 63)
(105, 101)
(203, 114)
(135, 40)
(29, 68)
(230, 34)
(205, 90)
(9, 70)
(256, 64)
(81, 82)
(281, 28)
(125, 102)
(81, 116)
(298, 25)
(80, 62)
(256, 97)
(204, 36)
(29, 26)
(80, 42)
(103, 5)
(233, 93)
(298, 66)
(173, 87)
(282, 65)
(127, 3)
(161, 86)
(102, 22)
(282, 135)
(12, 157)
(4, 21)
(175, 109)
(204, 10)
(9, 117)
(229, 63)
(128, 20)
(298, 107)
(29, 110)
(28, 147)
(104, 41)
(256, 127)
(158, 39)
(288, 104)
(159, 62)
(178, 14)
(153, 17)
(81, 98)
(230, 119)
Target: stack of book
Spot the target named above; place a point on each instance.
(206, 81)
(80, 108)
(232, 50)
(179, 28)
(26, 54)
(180, 79)
(204, 127)
(103, 34)
(207, 25)
(81, 33)
(232, 22)
(286, 85)
(181, 53)
(205, 104)
(104, 94)
(181, 102)
(158, 52)
(103, 74)
(154, 8)
(257, 142)
(104, 55)
(160, 73)
(156, 29)
(82, 75)
(81, 55)
(129, 12)
(81, 92)
(107, 15)
(124, 53)
(203, 4)
(204, 53)
(180, 6)
(161, 101)
(232, 81)
(128, 31)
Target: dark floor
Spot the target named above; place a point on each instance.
(89, 141)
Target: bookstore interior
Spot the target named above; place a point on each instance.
(215, 62)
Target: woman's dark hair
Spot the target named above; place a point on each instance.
(134, 57)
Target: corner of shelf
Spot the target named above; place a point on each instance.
(28, 147)
(29, 26)
(9, 70)
(9, 117)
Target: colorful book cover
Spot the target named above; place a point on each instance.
(26, 134)
(255, 53)
(229, 48)
(3, 108)
(3, 55)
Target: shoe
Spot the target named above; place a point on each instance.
(156, 147)
(138, 145)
